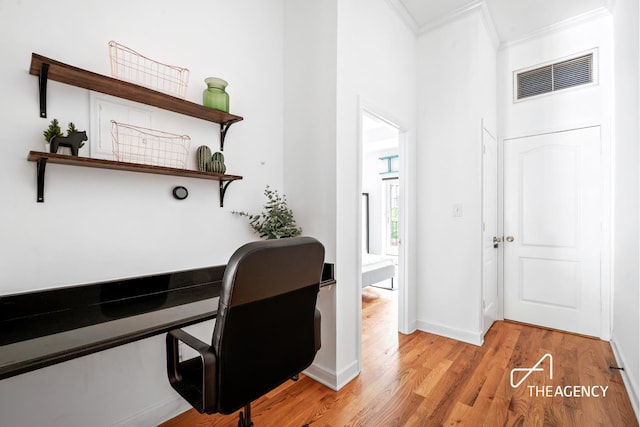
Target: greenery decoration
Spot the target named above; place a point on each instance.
(276, 220)
(54, 130)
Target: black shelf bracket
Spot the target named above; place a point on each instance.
(223, 190)
(42, 83)
(41, 164)
(224, 127)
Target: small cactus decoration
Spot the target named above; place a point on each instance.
(218, 156)
(204, 158)
(217, 163)
(218, 167)
(208, 162)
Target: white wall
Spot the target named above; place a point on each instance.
(73, 237)
(97, 224)
(309, 141)
(456, 93)
(625, 334)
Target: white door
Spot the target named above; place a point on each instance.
(490, 239)
(552, 228)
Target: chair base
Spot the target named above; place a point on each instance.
(245, 418)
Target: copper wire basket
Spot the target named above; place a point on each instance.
(134, 144)
(131, 66)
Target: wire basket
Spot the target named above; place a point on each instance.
(129, 65)
(135, 144)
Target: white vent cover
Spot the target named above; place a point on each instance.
(553, 77)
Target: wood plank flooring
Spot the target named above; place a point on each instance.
(427, 380)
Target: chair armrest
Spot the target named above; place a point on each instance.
(193, 342)
(194, 379)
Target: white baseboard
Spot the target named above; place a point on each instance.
(348, 374)
(471, 337)
(412, 327)
(629, 383)
(322, 375)
(330, 378)
(156, 414)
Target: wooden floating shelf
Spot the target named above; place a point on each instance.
(50, 69)
(65, 159)
(42, 158)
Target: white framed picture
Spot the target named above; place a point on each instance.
(104, 109)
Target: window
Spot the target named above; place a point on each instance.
(391, 193)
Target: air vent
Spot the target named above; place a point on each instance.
(550, 78)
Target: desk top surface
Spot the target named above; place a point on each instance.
(39, 329)
(43, 328)
(23, 356)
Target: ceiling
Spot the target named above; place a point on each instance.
(513, 19)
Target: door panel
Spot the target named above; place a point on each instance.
(549, 199)
(550, 282)
(553, 211)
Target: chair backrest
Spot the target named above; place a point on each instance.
(265, 326)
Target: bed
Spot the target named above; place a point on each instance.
(376, 268)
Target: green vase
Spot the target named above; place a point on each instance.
(214, 96)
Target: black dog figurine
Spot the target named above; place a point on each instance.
(73, 141)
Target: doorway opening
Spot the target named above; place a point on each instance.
(381, 211)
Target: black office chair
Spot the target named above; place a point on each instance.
(267, 329)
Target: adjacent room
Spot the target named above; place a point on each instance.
(455, 194)
(380, 202)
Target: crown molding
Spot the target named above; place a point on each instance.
(481, 6)
(404, 14)
(452, 16)
(475, 6)
(598, 13)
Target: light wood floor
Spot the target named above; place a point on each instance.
(427, 380)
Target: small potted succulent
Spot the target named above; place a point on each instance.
(276, 220)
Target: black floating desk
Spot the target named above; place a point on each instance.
(39, 329)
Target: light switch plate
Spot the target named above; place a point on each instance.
(457, 210)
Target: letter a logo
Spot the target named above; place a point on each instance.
(529, 371)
